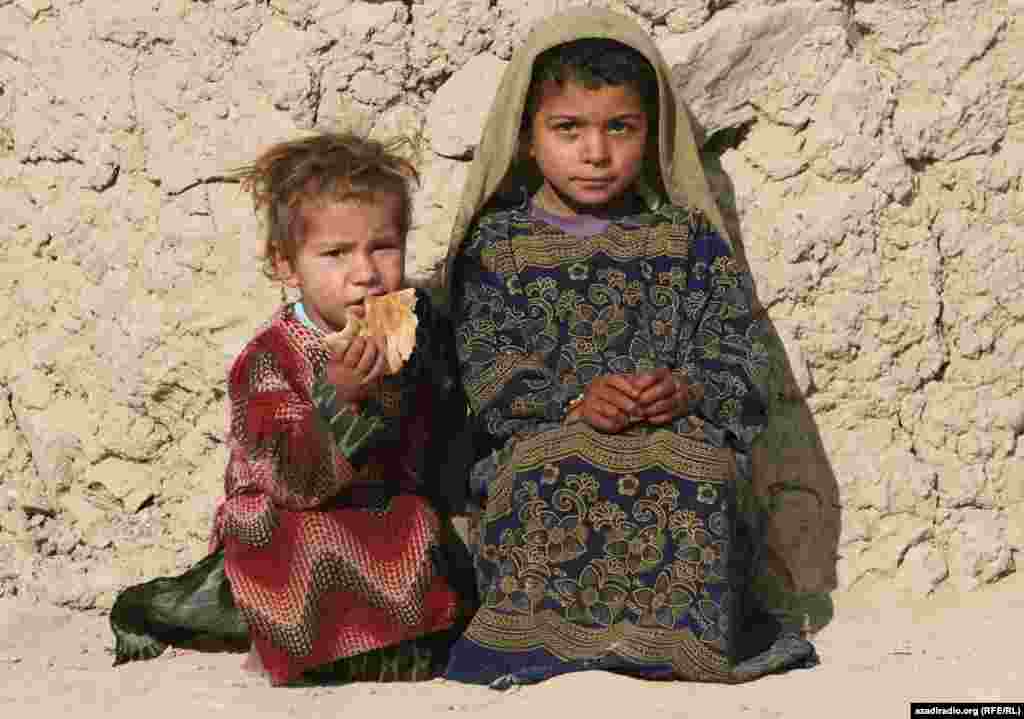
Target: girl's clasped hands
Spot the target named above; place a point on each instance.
(611, 403)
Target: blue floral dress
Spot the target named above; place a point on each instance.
(626, 552)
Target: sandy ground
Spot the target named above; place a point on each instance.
(875, 659)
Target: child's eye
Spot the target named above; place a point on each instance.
(619, 127)
(567, 126)
(336, 252)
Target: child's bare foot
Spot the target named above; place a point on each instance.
(253, 663)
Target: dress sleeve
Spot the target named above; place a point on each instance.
(509, 385)
(726, 353)
(278, 444)
(302, 449)
(356, 428)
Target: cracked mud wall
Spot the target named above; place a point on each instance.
(871, 154)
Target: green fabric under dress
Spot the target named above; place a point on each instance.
(195, 610)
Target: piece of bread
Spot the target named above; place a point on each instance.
(390, 318)
(393, 318)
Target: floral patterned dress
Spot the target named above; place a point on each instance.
(624, 552)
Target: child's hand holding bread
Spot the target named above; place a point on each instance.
(367, 349)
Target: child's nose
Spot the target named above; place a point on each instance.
(364, 270)
(595, 148)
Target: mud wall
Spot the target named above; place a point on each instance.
(870, 154)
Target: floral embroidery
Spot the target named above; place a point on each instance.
(567, 305)
(664, 493)
(594, 598)
(641, 552)
(703, 298)
(664, 604)
(686, 575)
(701, 553)
(722, 264)
(713, 619)
(615, 279)
(607, 515)
(718, 523)
(684, 521)
(707, 493)
(600, 327)
(694, 302)
(549, 475)
(676, 277)
(573, 538)
(578, 271)
(509, 590)
(562, 539)
(628, 485)
(585, 485)
(512, 284)
(584, 346)
(633, 294)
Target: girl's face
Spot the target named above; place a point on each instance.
(588, 144)
(348, 251)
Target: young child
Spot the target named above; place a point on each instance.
(333, 550)
(610, 355)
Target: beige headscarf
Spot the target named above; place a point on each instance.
(681, 172)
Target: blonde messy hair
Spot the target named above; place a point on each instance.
(326, 167)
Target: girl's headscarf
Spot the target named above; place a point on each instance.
(679, 175)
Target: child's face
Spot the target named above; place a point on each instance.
(588, 144)
(348, 250)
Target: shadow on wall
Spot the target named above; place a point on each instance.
(793, 481)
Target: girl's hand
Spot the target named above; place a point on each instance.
(609, 404)
(663, 397)
(354, 369)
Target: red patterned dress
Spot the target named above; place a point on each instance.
(331, 546)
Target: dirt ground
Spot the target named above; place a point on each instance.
(875, 659)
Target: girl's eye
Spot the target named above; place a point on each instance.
(618, 127)
(336, 252)
(565, 127)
